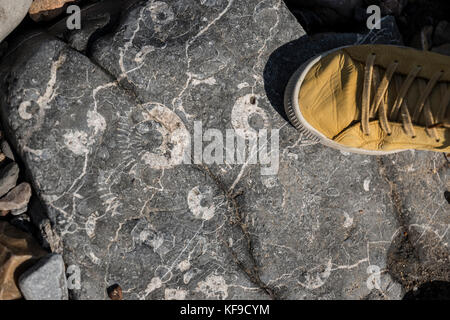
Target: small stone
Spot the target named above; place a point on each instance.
(17, 198)
(115, 292)
(11, 14)
(17, 212)
(8, 178)
(50, 238)
(18, 251)
(44, 10)
(46, 280)
(442, 33)
(6, 149)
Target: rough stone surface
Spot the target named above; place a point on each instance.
(18, 251)
(45, 280)
(101, 137)
(8, 178)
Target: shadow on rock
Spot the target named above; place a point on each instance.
(447, 196)
(435, 290)
(285, 60)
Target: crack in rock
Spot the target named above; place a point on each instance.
(105, 161)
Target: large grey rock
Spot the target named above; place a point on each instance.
(102, 137)
(45, 280)
(11, 14)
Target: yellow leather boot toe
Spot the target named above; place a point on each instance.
(373, 99)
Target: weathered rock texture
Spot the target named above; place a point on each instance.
(101, 137)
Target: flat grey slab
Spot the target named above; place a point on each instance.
(101, 139)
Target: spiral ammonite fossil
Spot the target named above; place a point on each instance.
(149, 140)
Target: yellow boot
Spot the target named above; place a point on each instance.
(373, 99)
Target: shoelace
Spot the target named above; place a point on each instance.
(378, 105)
